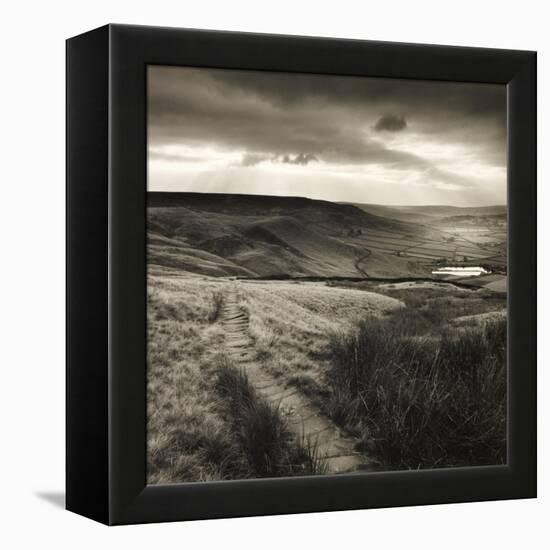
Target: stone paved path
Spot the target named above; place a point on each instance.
(304, 420)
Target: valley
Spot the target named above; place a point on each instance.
(258, 236)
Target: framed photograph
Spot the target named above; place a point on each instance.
(301, 274)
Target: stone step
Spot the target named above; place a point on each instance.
(241, 346)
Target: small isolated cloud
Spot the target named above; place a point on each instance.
(252, 159)
(301, 158)
(391, 123)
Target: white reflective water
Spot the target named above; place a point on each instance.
(461, 271)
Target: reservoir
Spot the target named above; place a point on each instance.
(461, 271)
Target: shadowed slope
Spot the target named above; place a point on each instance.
(248, 235)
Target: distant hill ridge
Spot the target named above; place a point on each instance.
(429, 213)
(434, 208)
(214, 201)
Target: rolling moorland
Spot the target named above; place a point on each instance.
(288, 336)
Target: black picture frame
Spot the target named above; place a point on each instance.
(106, 274)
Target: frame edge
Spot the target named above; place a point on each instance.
(86, 274)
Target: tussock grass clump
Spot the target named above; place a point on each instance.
(215, 306)
(419, 401)
(430, 309)
(198, 447)
(262, 430)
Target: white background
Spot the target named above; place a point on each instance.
(32, 133)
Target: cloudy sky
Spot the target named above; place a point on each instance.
(336, 138)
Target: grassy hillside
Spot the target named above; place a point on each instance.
(291, 323)
(205, 421)
(248, 235)
(414, 371)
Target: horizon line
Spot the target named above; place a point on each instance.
(401, 205)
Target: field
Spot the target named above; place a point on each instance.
(469, 236)
(295, 337)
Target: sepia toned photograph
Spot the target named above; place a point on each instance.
(326, 274)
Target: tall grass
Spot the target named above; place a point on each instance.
(188, 438)
(261, 430)
(421, 402)
(215, 306)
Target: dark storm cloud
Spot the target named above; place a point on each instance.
(288, 90)
(320, 118)
(391, 123)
